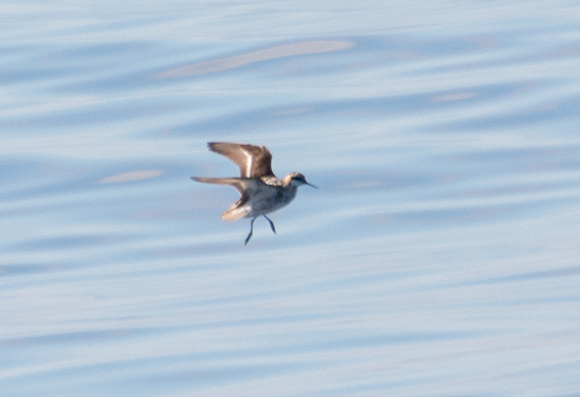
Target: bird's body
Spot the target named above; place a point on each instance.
(261, 192)
(257, 198)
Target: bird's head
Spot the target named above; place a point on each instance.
(296, 179)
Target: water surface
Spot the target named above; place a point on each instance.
(439, 257)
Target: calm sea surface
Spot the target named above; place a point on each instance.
(440, 257)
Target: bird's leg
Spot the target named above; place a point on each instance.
(271, 224)
(251, 231)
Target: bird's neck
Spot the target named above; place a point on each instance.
(287, 181)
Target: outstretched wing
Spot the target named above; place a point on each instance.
(247, 187)
(244, 186)
(253, 161)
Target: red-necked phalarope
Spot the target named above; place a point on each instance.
(261, 192)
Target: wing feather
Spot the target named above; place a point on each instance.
(253, 161)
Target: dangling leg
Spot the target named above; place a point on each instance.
(271, 224)
(251, 231)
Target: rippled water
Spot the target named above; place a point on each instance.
(439, 257)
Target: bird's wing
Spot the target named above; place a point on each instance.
(245, 186)
(253, 161)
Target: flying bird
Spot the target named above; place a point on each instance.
(261, 192)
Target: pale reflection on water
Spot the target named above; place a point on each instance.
(266, 54)
(439, 257)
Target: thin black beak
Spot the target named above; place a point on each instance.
(311, 185)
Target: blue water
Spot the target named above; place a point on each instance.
(440, 257)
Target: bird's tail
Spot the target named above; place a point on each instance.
(236, 211)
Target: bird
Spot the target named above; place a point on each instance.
(261, 192)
